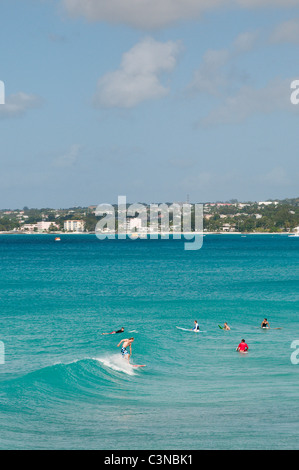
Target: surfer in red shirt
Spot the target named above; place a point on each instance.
(243, 347)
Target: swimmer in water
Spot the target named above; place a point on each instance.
(265, 323)
(243, 347)
(114, 332)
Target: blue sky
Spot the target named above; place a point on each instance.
(152, 100)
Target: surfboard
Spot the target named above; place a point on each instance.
(266, 328)
(221, 327)
(269, 328)
(138, 365)
(189, 329)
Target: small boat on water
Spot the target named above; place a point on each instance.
(57, 239)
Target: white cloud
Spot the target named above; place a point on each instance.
(275, 177)
(17, 104)
(138, 13)
(181, 163)
(266, 3)
(57, 38)
(244, 42)
(216, 73)
(248, 101)
(69, 158)
(287, 32)
(210, 183)
(137, 79)
(237, 99)
(208, 77)
(150, 14)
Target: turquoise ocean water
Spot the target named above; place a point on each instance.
(65, 386)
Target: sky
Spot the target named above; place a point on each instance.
(157, 101)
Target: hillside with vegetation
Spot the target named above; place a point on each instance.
(232, 216)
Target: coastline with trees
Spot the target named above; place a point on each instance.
(218, 217)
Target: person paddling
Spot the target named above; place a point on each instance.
(114, 332)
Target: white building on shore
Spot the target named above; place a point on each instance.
(44, 226)
(268, 203)
(74, 226)
(29, 228)
(134, 224)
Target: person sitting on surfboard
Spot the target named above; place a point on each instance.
(114, 332)
(196, 326)
(225, 327)
(243, 347)
(124, 351)
(265, 323)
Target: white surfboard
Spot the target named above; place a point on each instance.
(189, 329)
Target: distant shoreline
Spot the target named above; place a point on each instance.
(144, 235)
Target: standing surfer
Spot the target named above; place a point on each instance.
(126, 343)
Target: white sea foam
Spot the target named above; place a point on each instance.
(116, 362)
